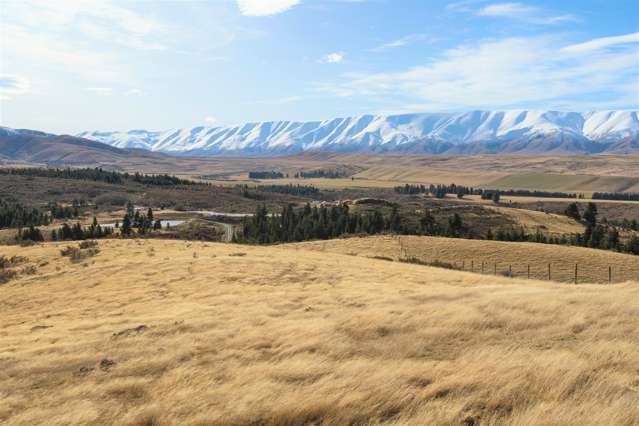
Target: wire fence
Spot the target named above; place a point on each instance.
(558, 271)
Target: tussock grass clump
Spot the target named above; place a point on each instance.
(84, 250)
(434, 263)
(8, 262)
(88, 244)
(7, 267)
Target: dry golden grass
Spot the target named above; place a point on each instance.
(567, 182)
(173, 332)
(548, 223)
(574, 173)
(592, 264)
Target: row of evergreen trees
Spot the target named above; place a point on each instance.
(528, 193)
(268, 174)
(78, 232)
(296, 190)
(96, 174)
(66, 232)
(320, 173)
(312, 223)
(440, 191)
(622, 196)
(100, 175)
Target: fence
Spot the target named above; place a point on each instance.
(558, 271)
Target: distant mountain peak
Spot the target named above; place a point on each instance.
(513, 131)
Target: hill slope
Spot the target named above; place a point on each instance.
(174, 332)
(475, 132)
(33, 147)
(593, 264)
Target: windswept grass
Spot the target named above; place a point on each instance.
(493, 256)
(283, 336)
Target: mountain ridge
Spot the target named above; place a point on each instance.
(33, 147)
(474, 132)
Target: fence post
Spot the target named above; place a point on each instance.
(576, 273)
(463, 265)
(472, 266)
(510, 270)
(529, 271)
(482, 267)
(549, 277)
(609, 274)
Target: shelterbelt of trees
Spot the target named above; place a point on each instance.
(290, 189)
(100, 175)
(440, 191)
(310, 174)
(622, 196)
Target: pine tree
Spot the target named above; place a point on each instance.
(590, 215)
(573, 211)
(395, 224)
(126, 228)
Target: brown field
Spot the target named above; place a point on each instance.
(547, 223)
(592, 264)
(567, 173)
(172, 332)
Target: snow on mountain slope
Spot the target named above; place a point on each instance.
(472, 132)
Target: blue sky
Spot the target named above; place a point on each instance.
(71, 65)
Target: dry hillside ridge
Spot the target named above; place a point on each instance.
(592, 264)
(176, 332)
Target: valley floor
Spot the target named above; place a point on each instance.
(177, 332)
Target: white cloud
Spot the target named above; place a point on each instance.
(333, 58)
(600, 43)
(265, 7)
(11, 85)
(53, 51)
(76, 37)
(504, 73)
(103, 91)
(210, 120)
(505, 9)
(523, 12)
(101, 20)
(403, 41)
(133, 92)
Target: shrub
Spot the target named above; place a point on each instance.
(76, 254)
(88, 244)
(435, 263)
(6, 276)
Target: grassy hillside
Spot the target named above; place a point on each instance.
(566, 183)
(173, 332)
(548, 223)
(592, 264)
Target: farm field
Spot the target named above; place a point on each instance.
(592, 264)
(168, 332)
(567, 183)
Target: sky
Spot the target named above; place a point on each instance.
(71, 65)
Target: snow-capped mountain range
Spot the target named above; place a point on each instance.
(475, 132)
